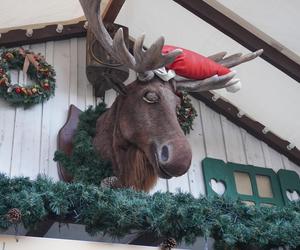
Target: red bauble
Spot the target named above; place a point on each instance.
(18, 90)
(46, 86)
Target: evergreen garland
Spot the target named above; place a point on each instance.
(119, 212)
(39, 71)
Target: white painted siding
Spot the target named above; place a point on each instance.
(28, 137)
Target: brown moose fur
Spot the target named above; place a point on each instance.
(131, 133)
(137, 172)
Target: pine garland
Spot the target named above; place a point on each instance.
(181, 216)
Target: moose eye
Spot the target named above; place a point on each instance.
(151, 97)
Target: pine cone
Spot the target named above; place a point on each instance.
(14, 215)
(168, 244)
(110, 182)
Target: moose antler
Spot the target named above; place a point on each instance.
(217, 82)
(143, 62)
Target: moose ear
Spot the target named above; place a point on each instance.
(120, 88)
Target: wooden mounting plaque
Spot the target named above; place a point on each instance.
(65, 139)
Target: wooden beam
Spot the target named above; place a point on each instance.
(112, 10)
(41, 229)
(237, 32)
(15, 38)
(146, 239)
(18, 37)
(43, 226)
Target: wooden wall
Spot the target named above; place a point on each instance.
(28, 137)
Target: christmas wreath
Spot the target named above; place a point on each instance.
(33, 65)
(186, 113)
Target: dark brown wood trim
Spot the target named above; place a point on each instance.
(15, 38)
(41, 228)
(251, 126)
(146, 239)
(113, 10)
(18, 37)
(242, 36)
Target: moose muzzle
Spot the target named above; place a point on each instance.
(173, 158)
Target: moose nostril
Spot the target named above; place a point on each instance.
(164, 153)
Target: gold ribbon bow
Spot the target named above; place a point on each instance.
(29, 58)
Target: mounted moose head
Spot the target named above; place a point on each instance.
(140, 133)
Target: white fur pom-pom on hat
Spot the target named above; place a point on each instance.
(234, 88)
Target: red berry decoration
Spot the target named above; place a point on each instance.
(46, 86)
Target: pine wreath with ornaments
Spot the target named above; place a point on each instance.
(37, 69)
(186, 112)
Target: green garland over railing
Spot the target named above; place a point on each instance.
(120, 212)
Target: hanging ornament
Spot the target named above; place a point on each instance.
(46, 86)
(18, 90)
(34, 90)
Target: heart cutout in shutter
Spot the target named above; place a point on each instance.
(292, 196)
(217, 186)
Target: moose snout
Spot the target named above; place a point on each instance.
(174, 158)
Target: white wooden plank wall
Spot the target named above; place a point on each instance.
(28, 137)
